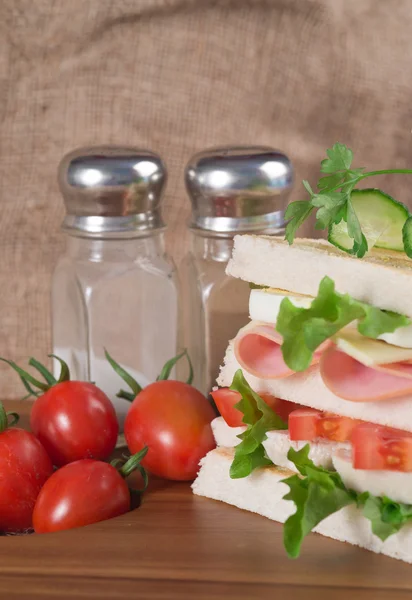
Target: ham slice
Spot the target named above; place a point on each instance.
(257, 349)
(351, 380)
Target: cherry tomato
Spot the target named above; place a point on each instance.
(173, 419)
(24, 468)
(226, 399)
(381, 448)
(74, 420)
(80, 493)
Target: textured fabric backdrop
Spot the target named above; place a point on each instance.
(178, 76)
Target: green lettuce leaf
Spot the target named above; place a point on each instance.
(259, 418)
(304, 329)
(386, 516)
(318, 493)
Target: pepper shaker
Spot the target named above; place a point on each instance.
(232, 190)
(115, 287)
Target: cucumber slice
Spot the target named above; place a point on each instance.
(381, 219)
(407, 236)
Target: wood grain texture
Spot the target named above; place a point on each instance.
(180, 546)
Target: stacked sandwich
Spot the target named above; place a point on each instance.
(315, 396)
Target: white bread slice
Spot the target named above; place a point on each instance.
(277, 445)
(262, 493)
(383, 278)
(308, 389)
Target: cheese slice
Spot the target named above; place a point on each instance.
(370, 353)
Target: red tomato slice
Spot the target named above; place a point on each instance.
(336, 428)
(303, 424)
(309, 424)
(282, 408)
(381, 448)
(225, 400)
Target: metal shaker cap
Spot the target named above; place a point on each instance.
(112, 191)
(239, 189)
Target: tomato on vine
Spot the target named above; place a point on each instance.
(24, 467)
(172, 419)
(72, 419)
(85, 492)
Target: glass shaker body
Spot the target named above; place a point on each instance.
(215, 306)
(120, 295)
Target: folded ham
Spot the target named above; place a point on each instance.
(351, 380)
(257, 349)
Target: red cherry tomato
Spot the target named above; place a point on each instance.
(225, 400)
(381, 448)
(78, 494)
(24, 468)
(309, 424)
(75, 420)
(173, 419)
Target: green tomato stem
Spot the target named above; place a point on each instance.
(31, 382)
(127, 378)
(4, 418)
(133, 464)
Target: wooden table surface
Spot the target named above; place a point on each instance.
(180, 546)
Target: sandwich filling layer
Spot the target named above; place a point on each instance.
(341, 336)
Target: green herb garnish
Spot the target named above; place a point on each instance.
(318, 493)
(259, 418)
(332, 200)
(305, 329)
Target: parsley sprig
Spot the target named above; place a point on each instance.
(332, 200)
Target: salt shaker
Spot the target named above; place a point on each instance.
(114, 288)
(232, 191)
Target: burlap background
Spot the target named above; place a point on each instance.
(177, 76)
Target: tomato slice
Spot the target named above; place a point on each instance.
(309, 424)
(336, 428)
(381, 448)
(303, 424)
(282, 408)
(225, 400)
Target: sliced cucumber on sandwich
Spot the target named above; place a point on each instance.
(407, 236)
(381, 218)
